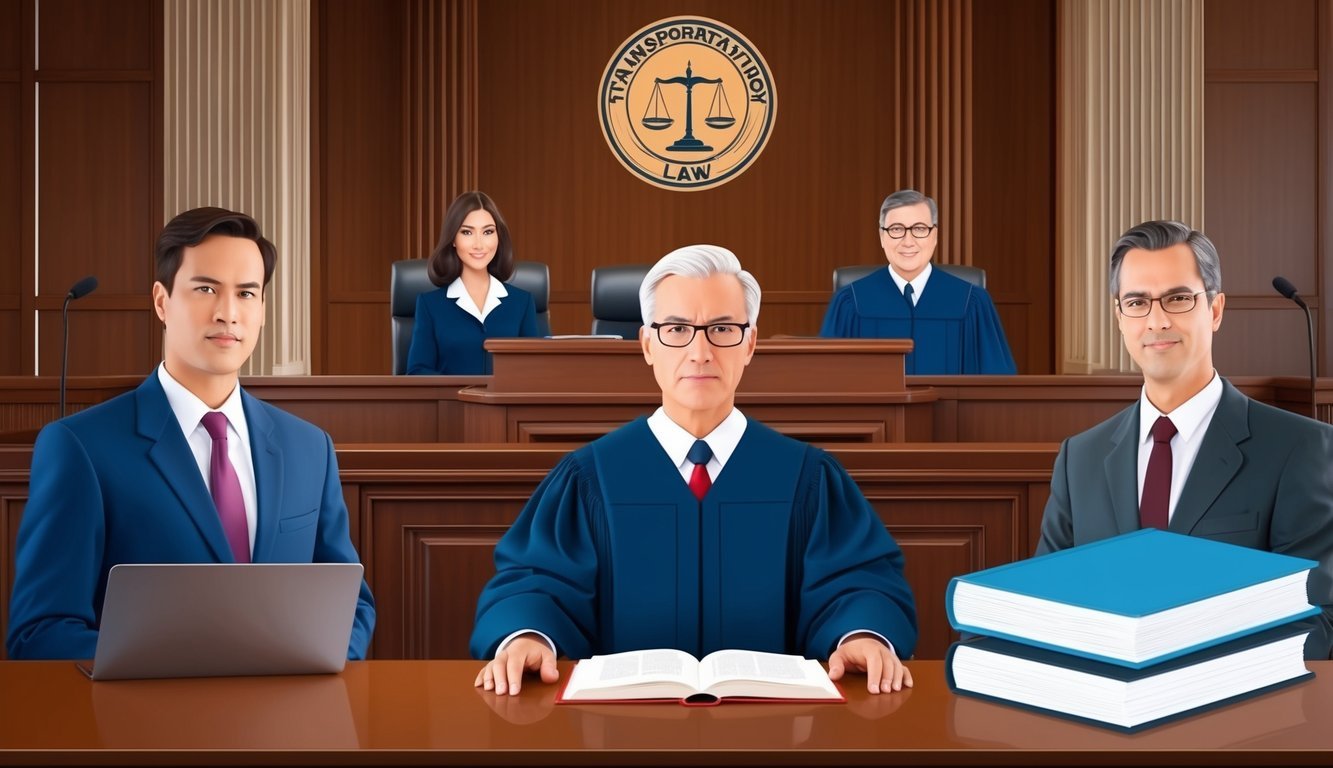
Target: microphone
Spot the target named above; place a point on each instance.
(1284, 287)
(80, 289)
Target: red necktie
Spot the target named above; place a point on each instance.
(226, 489)
(1156, 501)
(700, 453)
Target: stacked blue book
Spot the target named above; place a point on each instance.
(1133, 631)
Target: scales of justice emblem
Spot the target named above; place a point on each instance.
(660, 79)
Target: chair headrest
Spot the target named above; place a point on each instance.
(407, 281)
(535, 278)
(615, 292)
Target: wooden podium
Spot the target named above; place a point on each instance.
(822, 390)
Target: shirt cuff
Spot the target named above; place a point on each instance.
(841, 640)
(505, 642)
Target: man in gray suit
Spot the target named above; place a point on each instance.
(1194, 455)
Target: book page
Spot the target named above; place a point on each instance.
(754, 673)
(634, 674)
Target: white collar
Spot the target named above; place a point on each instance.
(494, 292)
(918, 282)
(189, 409)
(1189, 416)
(676, 441)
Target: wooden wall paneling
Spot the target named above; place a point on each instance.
(1013, 168)
(104, 36)
(96, 141)
(21, 71)
(99, 165)
(360, 194)
(1266, 192)
(1277, 34)
(12, 252)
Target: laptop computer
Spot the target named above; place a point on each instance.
(215, 619)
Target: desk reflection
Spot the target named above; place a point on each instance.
(728, 725)
(297, 712)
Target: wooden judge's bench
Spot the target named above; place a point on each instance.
(434, 469)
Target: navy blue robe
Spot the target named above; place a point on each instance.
(954, 324)
(446, 340)
(614, 553)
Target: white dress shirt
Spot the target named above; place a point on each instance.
(676, 441)
(494, 293)
(1191, 418)
(189, 411)
(918, 282)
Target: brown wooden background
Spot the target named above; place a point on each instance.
(92, 197)
(1268, 175)
(856, 120)
(415, 100)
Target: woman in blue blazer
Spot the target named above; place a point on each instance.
(470, 264)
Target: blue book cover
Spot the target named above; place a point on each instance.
(1136, 574)
(1122, 674)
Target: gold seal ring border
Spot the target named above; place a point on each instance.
(761, 142)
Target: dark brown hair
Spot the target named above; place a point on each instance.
(444, 266)
(191, 227)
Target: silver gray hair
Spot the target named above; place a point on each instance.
(700, 261)
(905, 197)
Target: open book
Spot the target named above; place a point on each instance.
(670, 675)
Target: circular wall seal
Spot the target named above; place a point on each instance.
(687, 103)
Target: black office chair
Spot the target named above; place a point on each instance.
(843, 276)
(409, 280)
(615, 300)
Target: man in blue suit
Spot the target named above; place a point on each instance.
(696, 528)
(1194, 455)
(187, 468)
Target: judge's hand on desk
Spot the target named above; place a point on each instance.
(866, 653)
(525, 653)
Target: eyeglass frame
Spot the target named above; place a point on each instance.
(929, 228)
(695, 332)
(1194, 302)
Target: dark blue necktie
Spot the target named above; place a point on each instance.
(908, 291)
(700, 482)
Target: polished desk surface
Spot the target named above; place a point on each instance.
(419, 712)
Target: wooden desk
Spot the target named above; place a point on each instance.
(427, 712)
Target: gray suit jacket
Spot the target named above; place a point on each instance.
(1263, 479)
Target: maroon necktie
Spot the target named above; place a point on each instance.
(1156, 501)
(226, 488)
(700, 482)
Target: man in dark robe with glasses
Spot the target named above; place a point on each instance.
(952, 322)
(696, 528)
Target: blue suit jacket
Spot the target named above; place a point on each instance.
(117, 483)
(1263, 478)
(446, 340)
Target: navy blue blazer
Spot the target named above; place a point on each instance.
(117, 483)
(447, 340)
